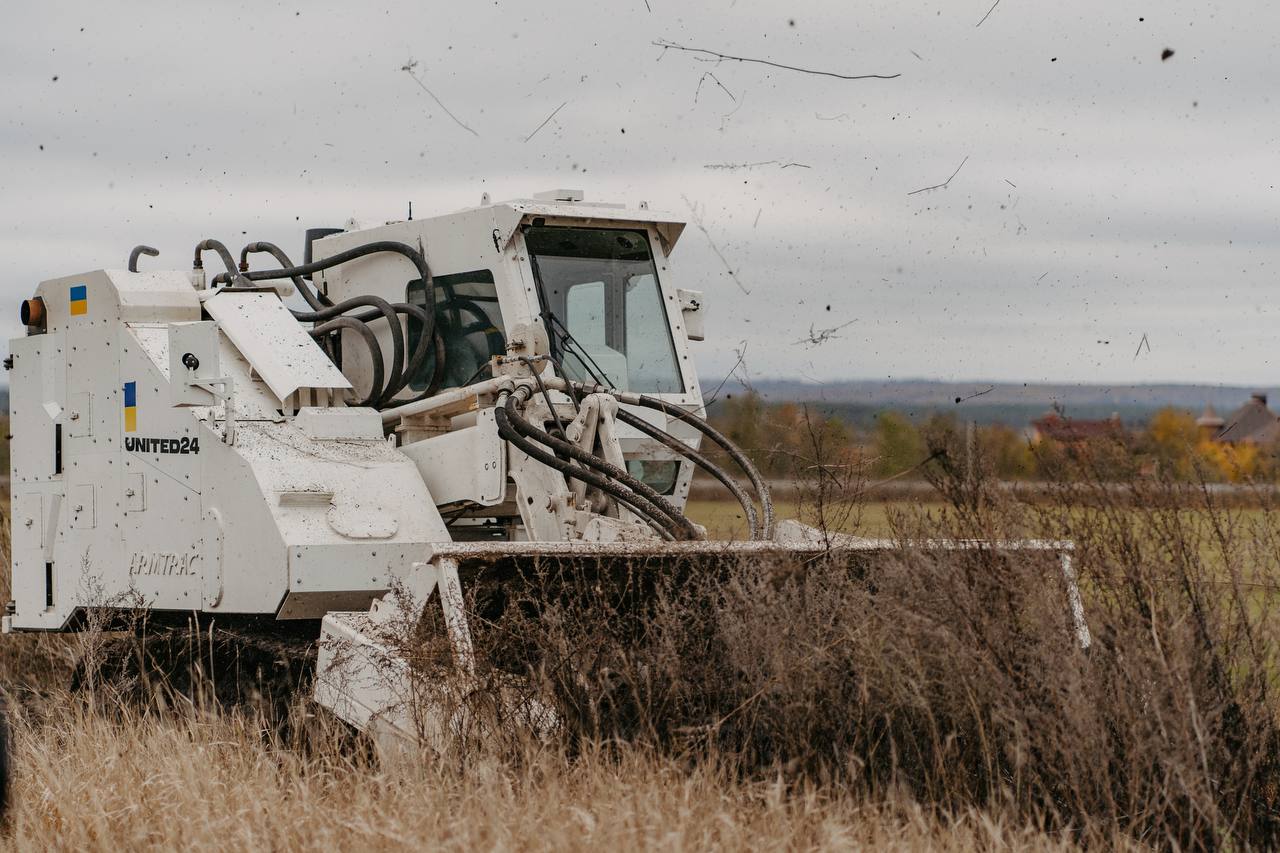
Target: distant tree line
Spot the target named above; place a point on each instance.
(784, 439)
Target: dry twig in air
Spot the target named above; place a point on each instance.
(741, 362)
(988, 390)
(407, 68)
(821, 336)
(988, 15)
(722, 57)
(724, 119)
(714, 79)
(729, 167)
(944, 183)
(697, 221)
(545, 120)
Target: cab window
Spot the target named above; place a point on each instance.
(469, 320)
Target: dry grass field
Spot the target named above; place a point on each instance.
(944, 706)
(95, 781)
(94, 774)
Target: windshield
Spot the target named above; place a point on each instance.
(608, 323)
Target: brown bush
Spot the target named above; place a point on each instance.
(954, 677)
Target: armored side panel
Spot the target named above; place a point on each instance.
(124, 496)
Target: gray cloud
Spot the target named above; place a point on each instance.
(1144, 189)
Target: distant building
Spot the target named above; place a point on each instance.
(1252, 423)
(1065, 430)
(1209, 424)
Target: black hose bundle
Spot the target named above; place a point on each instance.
(656, 510)
(329, 317)
(315, 299)
(673, 443)
(371, 341)
(757, 482)
(424, 273)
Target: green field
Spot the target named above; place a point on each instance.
(724, 519)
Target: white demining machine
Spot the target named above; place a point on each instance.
(500, 385)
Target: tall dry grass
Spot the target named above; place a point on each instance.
(953, 678)
(96, 769)
(923, 698)
(88, 781)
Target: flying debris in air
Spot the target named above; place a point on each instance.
(821, 336)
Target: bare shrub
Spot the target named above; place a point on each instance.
(953, 676)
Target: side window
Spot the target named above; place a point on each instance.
(468, 319)
(649, 356)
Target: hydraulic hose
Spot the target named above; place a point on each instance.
(426, 317)
(323, 308)
(419, 356)
(748, 468)
(503, 414)
(382, 309)
(681, 525)
(137, 252)
(370, 340)
(437, 375)
(757, 482)
(414, 256)
(315, 299)
(223, 252)
(325, 313)
(701, 461)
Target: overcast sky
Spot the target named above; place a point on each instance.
(1106, 194)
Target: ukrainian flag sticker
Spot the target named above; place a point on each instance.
(130, 406)
(79, 300)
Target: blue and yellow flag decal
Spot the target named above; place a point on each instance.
(130, 406)
(79, 300)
